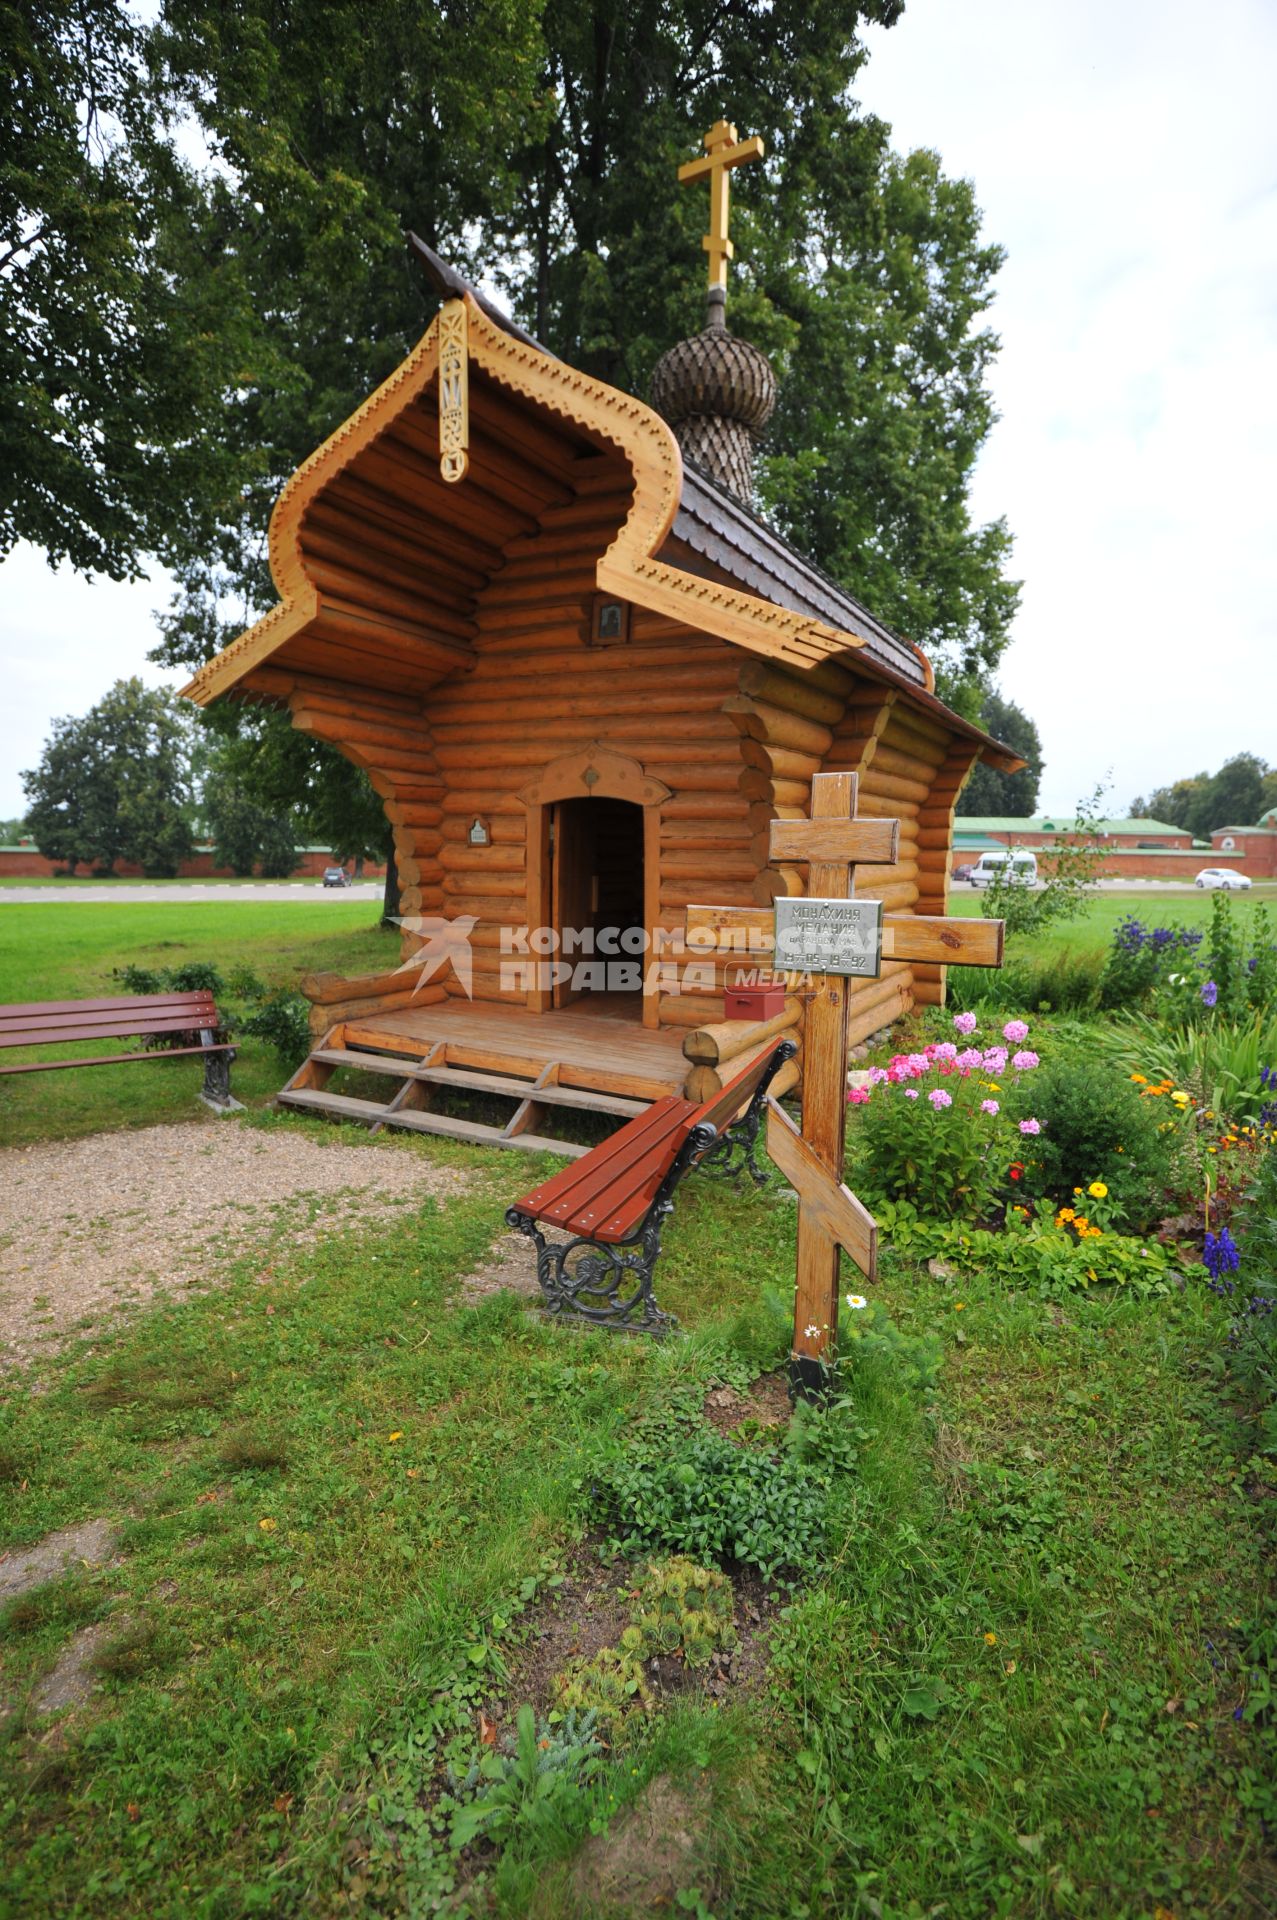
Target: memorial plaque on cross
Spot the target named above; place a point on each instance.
(830, 939)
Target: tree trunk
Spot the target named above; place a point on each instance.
(390, 904)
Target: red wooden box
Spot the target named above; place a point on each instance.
(753, 1003)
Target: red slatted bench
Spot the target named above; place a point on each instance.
(613, 1200)
(41, 1023)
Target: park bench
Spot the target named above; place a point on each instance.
(611, 1203)
(150, 1016)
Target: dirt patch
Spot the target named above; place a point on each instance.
(765, 1403)
(70, 1682)
(510, 1266)
(592, 1609)
(94, 1225)
(650, 1854)
(90, 1544)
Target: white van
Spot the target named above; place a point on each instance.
(1019, 867)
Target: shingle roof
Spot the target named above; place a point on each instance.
(723, 530)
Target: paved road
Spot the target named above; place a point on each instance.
(177, 896)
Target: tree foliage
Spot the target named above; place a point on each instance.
(245, 835)
(115, 784)
(537, 145)
(1235, 796)
(125, 333)
(989, 792)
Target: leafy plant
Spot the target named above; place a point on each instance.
(700, 1495)
(1060, 982)
(1095, 1124)
(503, 1789)
(1075, 867)
(1034, 1254)
(1221, 1062)
(283, 1019)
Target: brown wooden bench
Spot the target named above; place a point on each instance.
(41, 1023)
(612, 1202)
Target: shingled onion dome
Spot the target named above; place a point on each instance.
(718, 393)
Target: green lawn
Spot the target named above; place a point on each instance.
(1106, 910)
(66, 953)
(1009, 1685)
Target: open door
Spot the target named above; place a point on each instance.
(596, 867)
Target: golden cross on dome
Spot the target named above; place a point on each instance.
(722, 152)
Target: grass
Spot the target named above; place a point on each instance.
(1106, 909)
(313, 1607)
(1008, 1688)
(49, 954)
(67, 884)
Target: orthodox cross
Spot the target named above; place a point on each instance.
(830, 938)
(723, 151)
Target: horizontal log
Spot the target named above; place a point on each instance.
(689, 1009)
(458, 856)
(777, 882)
(787, 690)
(324, 1016)
(777, 727)
(709, 1045)
(889, 786)
(889, 759)
(784, 763)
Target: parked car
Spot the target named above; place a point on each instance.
(963, 872)
(336, 877)
(1227, 877)
(1020, 867)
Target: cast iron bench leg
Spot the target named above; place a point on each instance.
(733, 1152)
(216, 1091)
(602, 1284)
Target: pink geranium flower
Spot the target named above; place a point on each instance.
(1024, 1061)
(857, 1096)
(1030, 1126)
(939, 1098)
(1015, 1030)
(964, 1022)
(969, 1058)
(911, 1093)
(943, 1050)
(989, 1106)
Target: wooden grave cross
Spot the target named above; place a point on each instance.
(853, 940)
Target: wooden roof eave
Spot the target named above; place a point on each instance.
(628, 568)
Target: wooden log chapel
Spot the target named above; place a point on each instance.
(585, 677)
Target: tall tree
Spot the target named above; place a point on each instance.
(989, 792)
(115, 784)
(537, 144)
(124, 333)
(1235, 796)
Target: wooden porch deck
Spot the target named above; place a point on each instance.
(602, 1051)
(591, 1059)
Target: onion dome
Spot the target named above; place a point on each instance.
(717, 393)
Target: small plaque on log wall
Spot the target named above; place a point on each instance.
(829, 936)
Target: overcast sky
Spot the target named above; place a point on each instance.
(1124, 153)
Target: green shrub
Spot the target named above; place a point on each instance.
(282, 1019)
(1096, 1125)
(1057, 983)
(700, 1495)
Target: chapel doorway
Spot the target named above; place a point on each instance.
(596, 873)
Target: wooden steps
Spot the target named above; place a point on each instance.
(421, 1078)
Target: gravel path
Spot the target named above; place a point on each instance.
(87, 1226)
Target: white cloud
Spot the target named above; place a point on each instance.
(65, 641)
(1123, 156)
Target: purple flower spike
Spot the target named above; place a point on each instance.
(1210, 994)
